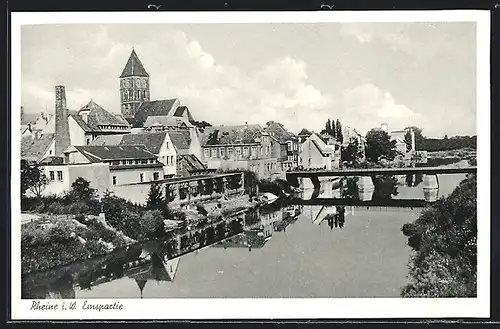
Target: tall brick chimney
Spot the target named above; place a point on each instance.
(62, 125)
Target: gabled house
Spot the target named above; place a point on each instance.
(320, 152)
(290, 158)
(92, 121)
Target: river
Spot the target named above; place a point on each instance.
(366, 257)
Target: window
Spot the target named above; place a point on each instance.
(88, 141)
(59, 175)
(124, 162)
(222, 152)
(114, 180)
(130, 162)
(51, 175)
(167, 144)
(214, 153)
(156, 176)
(115, 163)
(172, 160)
(268, 150)
(207, 153)
(50, 152)
(141, 176)
(245, 151)
(254, 150)
(144, 161)
(238, 151)
(229, 152)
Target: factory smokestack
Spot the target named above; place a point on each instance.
(62, 138)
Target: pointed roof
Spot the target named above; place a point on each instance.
(134, 67)
(97, 117)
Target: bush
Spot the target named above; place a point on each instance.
(56, 208)
(78, 208)
(445, 241)
(152, 225)
(95, 248)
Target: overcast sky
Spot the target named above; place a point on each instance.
(421, 74)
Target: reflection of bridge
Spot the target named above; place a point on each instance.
(404, 203)
(379, 171)
(431, 181)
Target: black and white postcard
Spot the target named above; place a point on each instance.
(250, 165)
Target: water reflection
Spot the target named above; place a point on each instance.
(376, 188)
(276, 228)
(150, 261)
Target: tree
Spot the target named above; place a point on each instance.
(378, 145)
(152, 225)
(33, 179)
(81, 190)
(333, 129)
(328, 127)
(351, 154)
(338, 131)
(155, 197)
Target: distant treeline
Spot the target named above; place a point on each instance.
(447, 144)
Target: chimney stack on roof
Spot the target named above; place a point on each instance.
(62, 137)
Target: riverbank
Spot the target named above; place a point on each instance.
(49, 241)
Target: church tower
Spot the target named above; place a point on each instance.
(134, 86)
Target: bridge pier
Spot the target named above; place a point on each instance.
(430, 186)
(365, 188)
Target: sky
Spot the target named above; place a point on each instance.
(364, 74)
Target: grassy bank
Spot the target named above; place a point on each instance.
(62, 239)
(444, 239)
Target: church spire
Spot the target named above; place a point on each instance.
(134, 67)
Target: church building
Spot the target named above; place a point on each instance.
(136, 104)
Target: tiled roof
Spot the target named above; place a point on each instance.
(278, 131)
(100, 117)
(154, 108)
(78, 119)
(163, 120)
(134, 67)
(114, 152)
(37, 147)
(107, 140)
(243, 134)
(152, 141)
(181, 140)
(190, 162)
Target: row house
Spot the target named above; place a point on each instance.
(245, 147)
(290, 141)
(172, 149)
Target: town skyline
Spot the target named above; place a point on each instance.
(211, 81)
